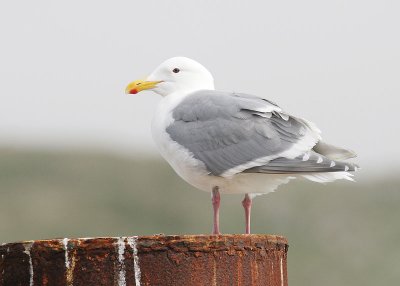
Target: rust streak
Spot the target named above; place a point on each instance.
(215, 271)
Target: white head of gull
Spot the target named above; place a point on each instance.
(234, 143)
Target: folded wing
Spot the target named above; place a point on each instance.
(231, 132)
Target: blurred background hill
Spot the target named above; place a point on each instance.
(76, 154)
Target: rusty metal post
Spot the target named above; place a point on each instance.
(147, 260)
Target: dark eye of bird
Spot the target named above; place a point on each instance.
(176, 70)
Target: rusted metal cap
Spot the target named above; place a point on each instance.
(147, 260)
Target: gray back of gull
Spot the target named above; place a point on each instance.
(225, 130)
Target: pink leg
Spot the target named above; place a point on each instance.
(216, 199)
(247, 211)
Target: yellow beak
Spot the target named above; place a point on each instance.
(140, 85)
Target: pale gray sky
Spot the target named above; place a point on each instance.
(64, 66)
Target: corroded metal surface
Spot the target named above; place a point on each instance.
(147, 260)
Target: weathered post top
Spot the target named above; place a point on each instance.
(147, 260)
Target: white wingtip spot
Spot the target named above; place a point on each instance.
(319, 160)
(306, 156)
(346, 168)
(355, 168)
(284, 116)
(333, 164)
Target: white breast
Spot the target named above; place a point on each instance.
(182, 161)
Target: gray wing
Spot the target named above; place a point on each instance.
(231, 132)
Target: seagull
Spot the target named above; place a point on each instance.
(234, 143)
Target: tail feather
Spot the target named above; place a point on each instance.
(333, 152)
(329, 177)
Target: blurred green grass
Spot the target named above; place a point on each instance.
(339, 234)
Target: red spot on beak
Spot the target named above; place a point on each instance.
(133, 91)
